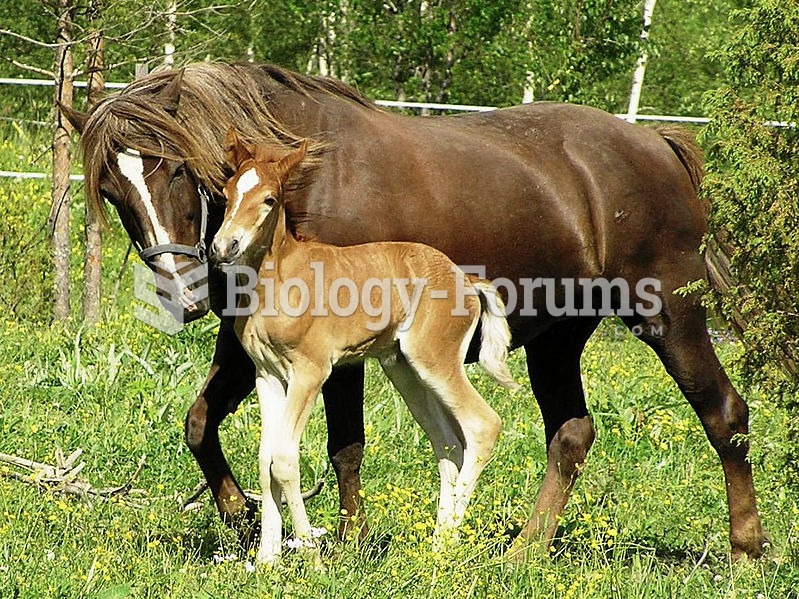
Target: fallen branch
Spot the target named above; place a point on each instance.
(63, 477)
(191, 501)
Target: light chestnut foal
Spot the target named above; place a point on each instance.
(421, 340)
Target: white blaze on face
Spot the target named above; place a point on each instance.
(131, 166)
(248, 180)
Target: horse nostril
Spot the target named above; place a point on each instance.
(213, 251)
(233, 250)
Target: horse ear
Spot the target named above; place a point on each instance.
(76, 117)
(290, 161)
(170, 95)
(235, 151)
(268, 153)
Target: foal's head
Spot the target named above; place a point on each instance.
(252, 193)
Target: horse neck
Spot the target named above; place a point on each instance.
(305, 117)
(216, 215)
(274, 241)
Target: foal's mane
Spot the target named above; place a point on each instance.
(213, 97)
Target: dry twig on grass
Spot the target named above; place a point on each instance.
(63, 477)
(191, 501)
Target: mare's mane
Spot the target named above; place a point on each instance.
(213, 97)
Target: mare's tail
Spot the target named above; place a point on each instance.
(495, 337)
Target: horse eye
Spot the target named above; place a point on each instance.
(180, 171)
(269, 200)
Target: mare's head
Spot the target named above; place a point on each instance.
(253, 193)
(132, 161)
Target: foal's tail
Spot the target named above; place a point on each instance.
(495, 337)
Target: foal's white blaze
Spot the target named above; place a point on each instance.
(131, 166)
(247, 182)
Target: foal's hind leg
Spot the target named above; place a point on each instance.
(452, 409)
(684, 348)
(553, 364)
(444, 437)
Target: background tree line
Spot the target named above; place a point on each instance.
(465, 51)
(733, 60)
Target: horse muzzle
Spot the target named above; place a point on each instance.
(224, 251)
(182, 286)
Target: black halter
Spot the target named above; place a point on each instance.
(194, 251)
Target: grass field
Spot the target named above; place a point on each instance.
(650, 503)
(648, 517)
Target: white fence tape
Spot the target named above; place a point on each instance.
(699, 120)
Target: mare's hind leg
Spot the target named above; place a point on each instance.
(231, 378)
(553, 363)
(684, 347)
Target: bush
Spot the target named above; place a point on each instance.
(752, 183)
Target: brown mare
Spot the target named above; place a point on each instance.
(427, 313)
(542, 190)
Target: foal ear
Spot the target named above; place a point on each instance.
(235, 151)
(76, 117)
(290, 161)
(170, 95)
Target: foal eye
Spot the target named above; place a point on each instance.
(269, 200)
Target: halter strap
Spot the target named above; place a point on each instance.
(194, 251)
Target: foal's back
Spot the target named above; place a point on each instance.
(403, 288)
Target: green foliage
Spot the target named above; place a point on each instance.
(26, 290)
(754, 191)
(679, 71)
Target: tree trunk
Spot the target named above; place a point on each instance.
(528, 31)
(171, 26)
(640, 69)
(426, 68)
(59, 211)
(92, 279)
(450, 57)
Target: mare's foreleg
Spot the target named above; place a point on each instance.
(231, 379)
(343, 397)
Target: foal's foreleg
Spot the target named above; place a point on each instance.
(231, 379)
(271, 401)
(306, 382)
